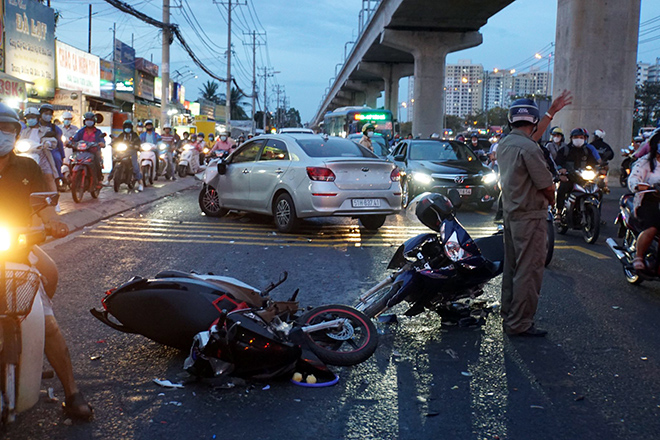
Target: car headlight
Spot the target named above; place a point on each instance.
(22, 146)
(490, 178)
(5, 240)
(121, 147)
(588, 174)
(422, 178)
(162, 147)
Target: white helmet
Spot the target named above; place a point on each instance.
(31, 111)
(600, 133)
(167, 126)
(67, 115)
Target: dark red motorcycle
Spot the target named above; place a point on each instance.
(83, 174)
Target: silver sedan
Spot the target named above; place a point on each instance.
(299, 176)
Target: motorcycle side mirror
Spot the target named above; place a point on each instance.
(41, 200)
(455, 198)
(222, 167)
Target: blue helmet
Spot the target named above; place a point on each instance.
(524, 110)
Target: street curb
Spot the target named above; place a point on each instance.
(92, 211)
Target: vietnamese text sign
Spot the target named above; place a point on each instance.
(30, 45)
(77, 70)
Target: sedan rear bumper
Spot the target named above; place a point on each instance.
(328, 203)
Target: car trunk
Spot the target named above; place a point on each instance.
(361, 174)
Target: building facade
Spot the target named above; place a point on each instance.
(464, 88)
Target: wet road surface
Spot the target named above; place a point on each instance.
(594, 377)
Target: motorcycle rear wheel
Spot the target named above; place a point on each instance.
(116, 178)
(592, 224)
(352, 344)
(78, 187)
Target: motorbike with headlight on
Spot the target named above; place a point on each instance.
(443, 271)
(581, 211)
(122, 167)
(83, 170)
(188, 161)
(22, 323)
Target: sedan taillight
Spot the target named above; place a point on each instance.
(395, 175)
(321, 174)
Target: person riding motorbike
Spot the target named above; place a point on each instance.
(474, 145)
(132, 140)
(556, 143)
(578, 154)
(367, 133)
(20, 178)
(168, 138)
(68, 129)
(91, 134)
(140, 127)
(645, 176)
(223, 143)
(37, 133)
(46, 120)
(149, 135)
(604, 150)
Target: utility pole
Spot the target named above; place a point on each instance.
(114, 62)
(267, 72)
(254, 75)
(89, 31)
(278, 90)
(165, 66)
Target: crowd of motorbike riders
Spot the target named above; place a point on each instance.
(57, 144)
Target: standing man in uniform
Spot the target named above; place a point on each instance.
(527, 190)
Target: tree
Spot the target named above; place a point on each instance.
(498, 116)
(293, 118)
(647, 103)
(210, 92)
(454, 122)
(237, 100)
(259, 119)
(477, 120)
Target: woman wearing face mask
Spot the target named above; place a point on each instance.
(46, 120)
(556, 143)
(68, 131)
(90, 134)
(576, 156)
(367, 133)
(224, 143)
(36, 133)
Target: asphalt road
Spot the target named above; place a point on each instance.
(594, 377)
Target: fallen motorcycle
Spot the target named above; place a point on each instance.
(236, 328)
(443, 271)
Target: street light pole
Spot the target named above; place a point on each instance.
(165, 66)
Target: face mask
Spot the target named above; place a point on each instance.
(140, 129)
(67, 122)
(31, 122)
(475, 143)
(127, 130)
(150, 128)
(578, 142)
(47, 118)
(370, 134)
(556, 139)
(223, 138)
(89, 124)
(6, 143)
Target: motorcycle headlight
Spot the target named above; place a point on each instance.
(490, 178)
(206, 150)
(145, 147)
(588, 174)
(5, 239)
(121, 147)
(454, 251)
(22, 146)
(187, 147)
(162, 147)
(422, 178)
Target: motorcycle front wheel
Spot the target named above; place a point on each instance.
(146, 172)
(350, 344)
(183, 171)
(591, 226)
(78, 186)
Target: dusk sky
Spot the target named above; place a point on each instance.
(305, 39)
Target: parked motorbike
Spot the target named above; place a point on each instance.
(582, 207)
(83, 174)
(235, 328)
(148, 162)
(441, 271)
(629, 230)
(22, 323)
(123, 167)
(626, 165)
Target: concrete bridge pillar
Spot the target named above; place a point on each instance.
(595, 58)
(391, 74)
(365, 92)
(429, 50)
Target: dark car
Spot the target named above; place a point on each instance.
(438, 166)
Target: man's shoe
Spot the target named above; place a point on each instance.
(533, 332)
(140, 187)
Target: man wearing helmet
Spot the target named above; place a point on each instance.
(19, 177)
(527, 190)
(68, 131)
(169, 139)
(604, 150)
(132, 140)
(223, 143)
(46, 120)
(140, 127)
(39, 134)
(367, 133)
(578, 154)
(92, 135)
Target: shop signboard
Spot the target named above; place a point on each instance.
(12, 90)
(146, 66)
(144, 85)
(2, 36)
(124, 54)
(106, 80)
(158, 89)
(77, 70)
(30, 45)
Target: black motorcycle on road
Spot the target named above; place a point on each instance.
(236, 328)
(122, 170)
(581, 210)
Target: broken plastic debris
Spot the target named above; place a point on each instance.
(161, 394)
(51, 395)
(451, 353)
(68, 422)
(432, 414)
(226, 386)
(536, 407)
(466, 373)
(267, 387)
(297, 400)
(616, 307)
(95, 358)
(455, 387)
(167, 384)
(396, 353)
(644, 358)
(174, 402)
(388, 319)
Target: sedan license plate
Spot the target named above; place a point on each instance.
(465, 191)
(365, 203)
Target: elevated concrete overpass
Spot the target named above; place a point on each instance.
(413, 37)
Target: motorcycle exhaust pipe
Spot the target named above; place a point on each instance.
(616, 249)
